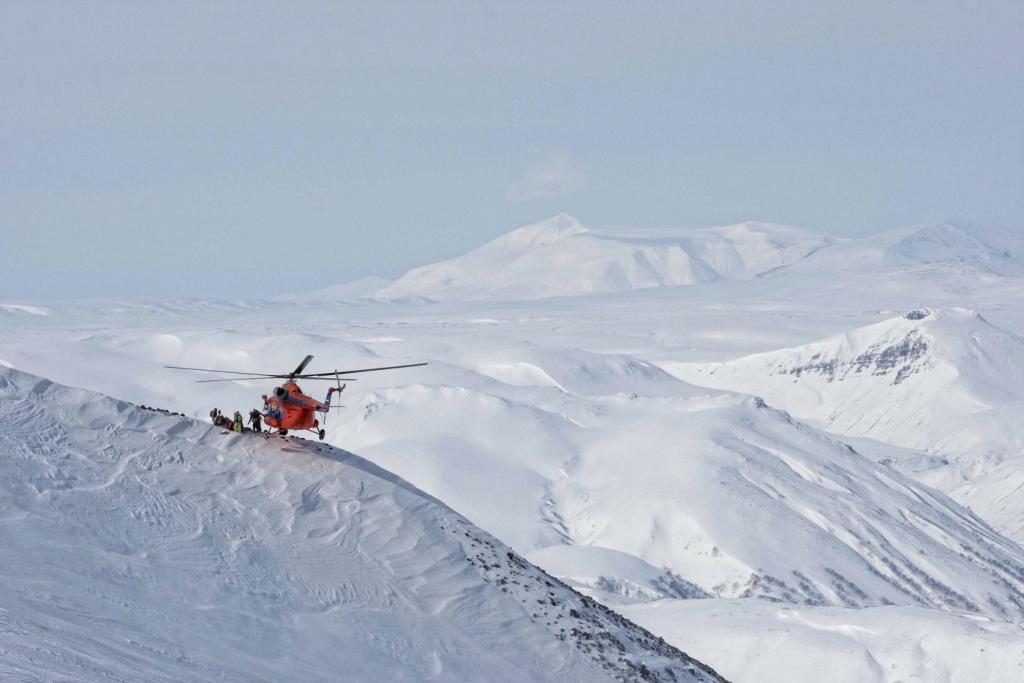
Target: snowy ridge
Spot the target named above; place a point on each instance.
(561, 257)
(703, 488)
(22, 309)
(146, 546)
(945, 382)
(952, 244)
(614, 576)
(908, 380)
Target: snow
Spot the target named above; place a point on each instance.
(561, 257)
(346, 291)
(587, 433)
(615, 576)
(937, 381)
(707, 487)
(759, 642)
(985, 247)
(23, 308)
(140, 545)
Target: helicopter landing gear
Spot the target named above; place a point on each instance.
(322, 434)
(283, 432)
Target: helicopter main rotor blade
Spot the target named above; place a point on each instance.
(326, 379)
(244, 379)
(241, 379)
(225, 372)
(302, 366)
(353, 372)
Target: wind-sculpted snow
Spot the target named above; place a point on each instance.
(945, 382)
(138, 545)
(708, 488)
(561, 257)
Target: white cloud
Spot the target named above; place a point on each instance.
(546, 174)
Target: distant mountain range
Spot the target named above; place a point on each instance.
(562, 257)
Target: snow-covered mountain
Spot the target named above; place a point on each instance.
(561, 257)
(952, 244)
(548, 446)
(552, 424)
(909, 380)
(700, 491)
(145, 546)
(946, 382)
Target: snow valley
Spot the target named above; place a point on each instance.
(758, 442)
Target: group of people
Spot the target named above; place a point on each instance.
(235, 423)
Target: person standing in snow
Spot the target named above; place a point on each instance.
(238, 422)
(256, 420)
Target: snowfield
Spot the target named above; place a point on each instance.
(776, 643)
(143, 546)
(794, 457)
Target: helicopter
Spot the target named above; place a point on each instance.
(287, 407)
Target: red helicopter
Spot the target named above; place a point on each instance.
(287, 407)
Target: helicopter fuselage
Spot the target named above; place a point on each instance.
(288, 408)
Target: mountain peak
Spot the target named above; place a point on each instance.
(563, 220)
(539, 234)
(908, 380)
(562, 257)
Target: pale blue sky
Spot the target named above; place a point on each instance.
(244, 149)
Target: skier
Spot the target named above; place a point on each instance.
(214, 414)
(238, 422)
(256, 420)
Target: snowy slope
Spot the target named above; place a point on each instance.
(949, 245)
(944, 382)
(703, 488)
(561, 257)
(547, 446)
(760, 642)
(144, 546)
(909, 380)
(544, 444)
